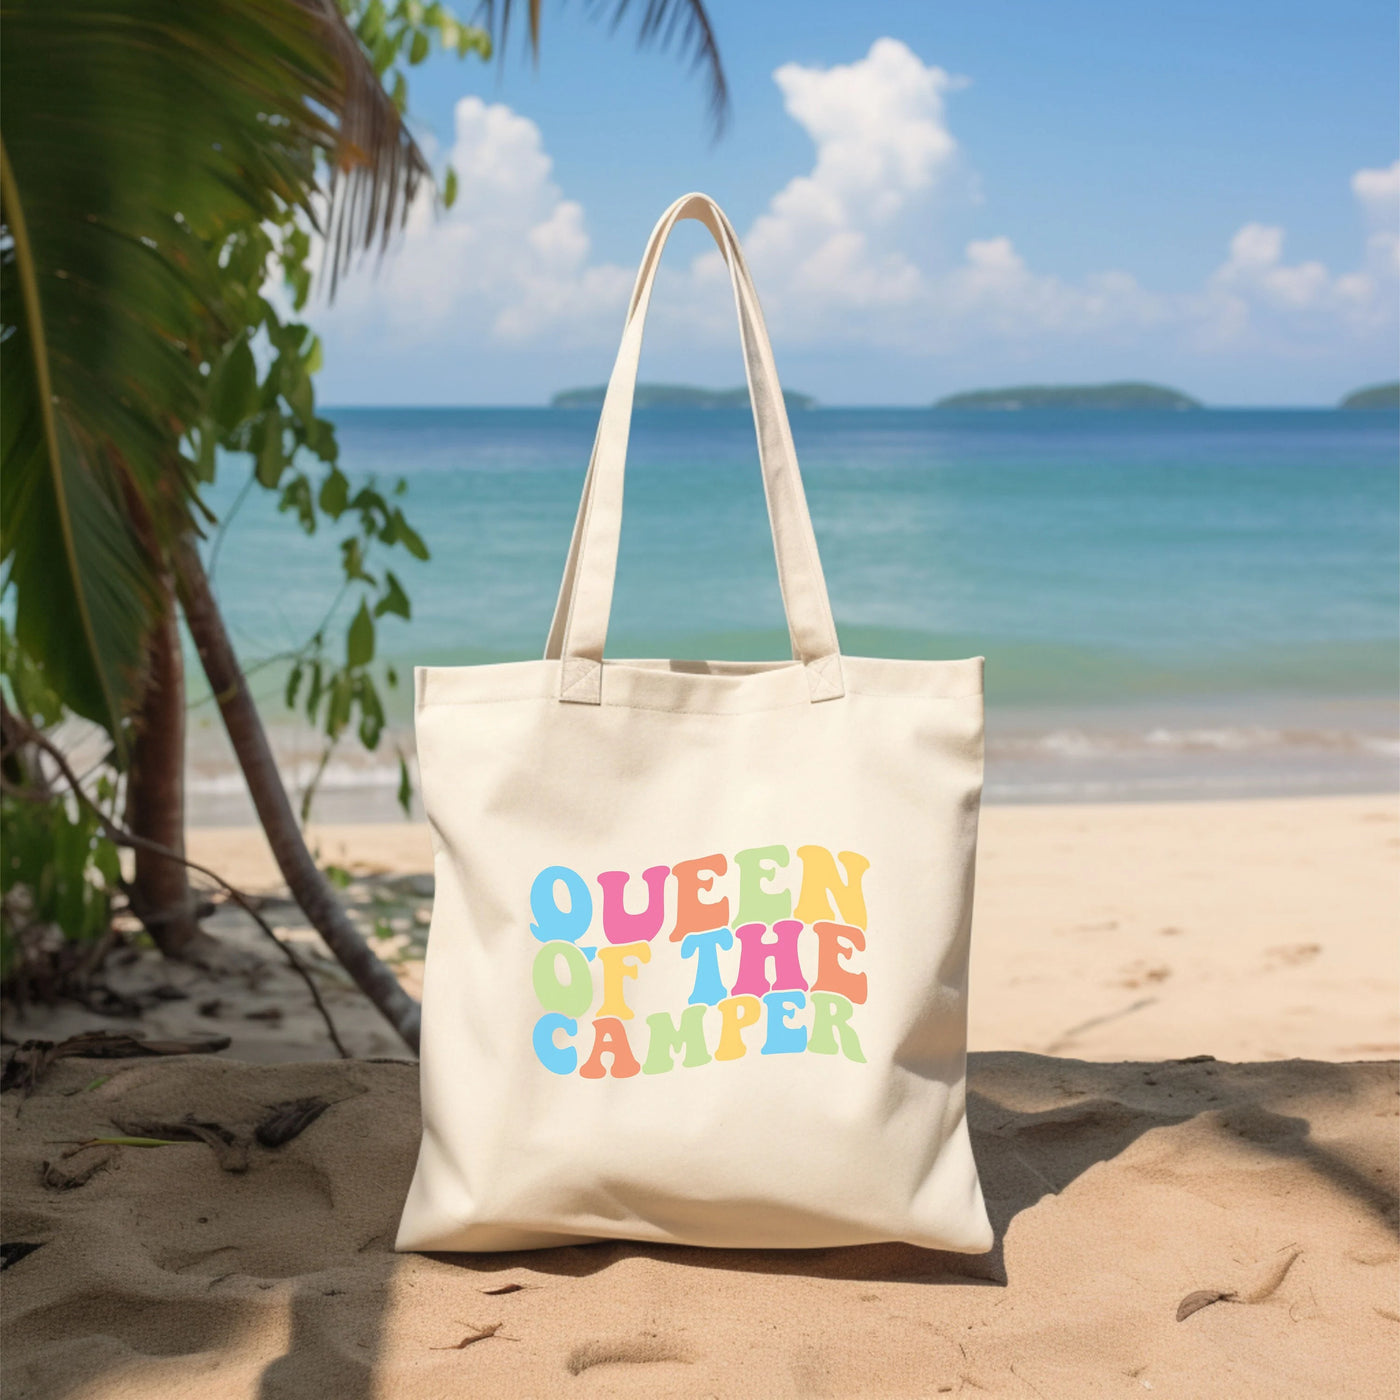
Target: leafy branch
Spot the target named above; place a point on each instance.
(19, 730)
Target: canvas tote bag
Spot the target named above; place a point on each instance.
(697, 969)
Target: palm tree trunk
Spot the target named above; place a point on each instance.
(155, 793)
(308, 886)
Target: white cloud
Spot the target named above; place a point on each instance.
(845, 252)
(1256, 268)
(509, 261)
(882, 140)
(1256, 297)
(1378, 192)
(994, 290)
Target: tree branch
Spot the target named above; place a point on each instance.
(308, 886)
(120, 836)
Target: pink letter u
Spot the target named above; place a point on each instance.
(618, 925)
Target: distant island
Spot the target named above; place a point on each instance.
(1377, 396)
(675, 396)
(1126, 396)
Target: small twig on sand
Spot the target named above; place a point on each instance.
(120, 836)
(478, 1336)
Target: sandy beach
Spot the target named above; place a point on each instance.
(1166, 1221)
(1249, 930)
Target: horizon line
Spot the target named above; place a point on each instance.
(923, 406)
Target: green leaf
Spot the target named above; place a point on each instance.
(293, 685)
(297, 390)
(272, 457)
(320, 439)
(233, 386)
(206, 464)
(405, 793)
(28, 687)
(371, 24)
(404, 534)
(371, 713)
(352, 560)
(83, 586)
(399, 95)
(395, 600)
(449, 187)
(338, 876)
(338, 708)
(469, 37)
(418, 49)
(359, 639)
(296, 497)
(335, 492)
(314, 691)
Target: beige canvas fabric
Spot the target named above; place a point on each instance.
(697, 969)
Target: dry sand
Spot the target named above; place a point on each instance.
(1249, 930)
(1117, 1191)
(1132, 936)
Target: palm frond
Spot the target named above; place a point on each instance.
(377, 165)
(136, 132)
(682, 24)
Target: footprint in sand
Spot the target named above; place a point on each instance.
(1139, 974)
(1292, 954)
(627, 1351)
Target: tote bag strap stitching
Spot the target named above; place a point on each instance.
(591, 562)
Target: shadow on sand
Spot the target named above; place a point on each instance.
(1023, 1155)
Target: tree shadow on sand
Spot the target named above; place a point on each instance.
(297, 1253)
(1026, 1154)
(1024, 1151)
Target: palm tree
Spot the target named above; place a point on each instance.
(141, 141)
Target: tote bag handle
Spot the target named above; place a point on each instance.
(579, 631)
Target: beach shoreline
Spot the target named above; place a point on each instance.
(1164, 750)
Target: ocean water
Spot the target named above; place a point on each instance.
(1169, 604)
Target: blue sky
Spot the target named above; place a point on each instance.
(934, 197)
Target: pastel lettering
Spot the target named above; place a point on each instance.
(822, 882)
(786, 968)
(758, 905)
(693, 878)
(831, 1017)
(759, 950)
(571, 994)
(836, 942)
(610, 1038)
(619, 962)
(736, 1015)
(618, 925)
(558, 1059)
(668, 1037)
(709, 988)
(783, 1039)
(551, 921)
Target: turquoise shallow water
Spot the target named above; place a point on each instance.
(1214, 595)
